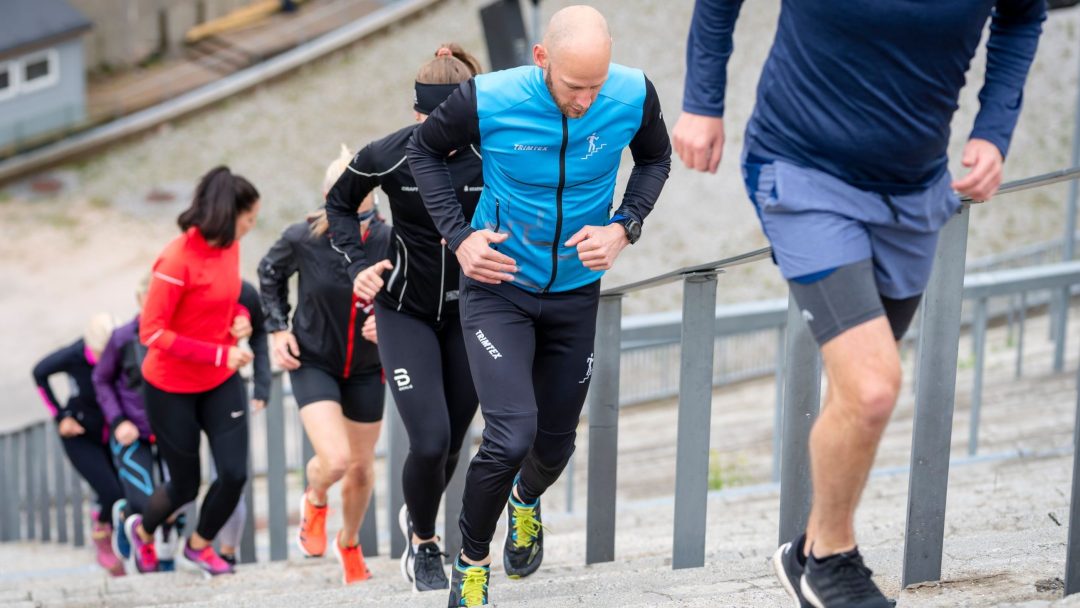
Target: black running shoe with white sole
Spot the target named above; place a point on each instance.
(841, 581)
(428, 570)
(789, 569)
(524, 547)
(421, 565)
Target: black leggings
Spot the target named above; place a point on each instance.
(91, 458)
(136, 465)
(428, 372)
(177, 420)
(531, 357)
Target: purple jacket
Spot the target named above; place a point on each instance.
(118, 380)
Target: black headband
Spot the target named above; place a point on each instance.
(427, 97)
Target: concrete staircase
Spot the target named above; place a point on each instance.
(1005, 524)
(1004, 546)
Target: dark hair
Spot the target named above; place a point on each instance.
(451, 65)
(219, 198)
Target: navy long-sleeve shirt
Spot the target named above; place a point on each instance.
(865, 89)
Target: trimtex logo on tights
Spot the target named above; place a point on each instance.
(494, 352)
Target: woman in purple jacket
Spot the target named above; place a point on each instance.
(118, 381)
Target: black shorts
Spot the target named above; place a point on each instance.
(360, 396)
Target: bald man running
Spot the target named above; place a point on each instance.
(551, 137)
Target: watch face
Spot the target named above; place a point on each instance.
(633, 231)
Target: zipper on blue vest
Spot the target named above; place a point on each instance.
(558, 205)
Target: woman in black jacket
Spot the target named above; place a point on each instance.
(82, 427)
(420, 339)
(335, 373)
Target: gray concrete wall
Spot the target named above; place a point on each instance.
(128, 31)
(53, 107)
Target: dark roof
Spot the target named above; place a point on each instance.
(29, 22)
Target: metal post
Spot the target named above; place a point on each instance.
(60, 483)
(1072, 552)
(455, 489)
(802, 400)
(568, 475)
(78, 524)
(1061, 327)
(7, 498)
(399, 449)
(934, 402)
(276, 473)
(14, 473)
(43, 496)
(537, 32)
(30, 452)
(1069, 247)
(778, 414)
(603, 433)
(1020, 335)
(369, 528)
(979, 338)
(247, 537)
(695, 415)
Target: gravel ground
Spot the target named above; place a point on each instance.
(79, 251)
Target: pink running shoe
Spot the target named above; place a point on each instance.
(143, 554)
(102, 536)
(206, 561)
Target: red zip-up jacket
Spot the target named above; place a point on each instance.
(189, 309)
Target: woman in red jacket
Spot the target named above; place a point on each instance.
(191, 323)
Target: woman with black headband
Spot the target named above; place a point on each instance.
(415, 293)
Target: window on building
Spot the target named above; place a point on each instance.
(39, 70)
(7, 80)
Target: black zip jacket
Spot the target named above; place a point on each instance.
(424, 281)
(82, 402)
(249, 297)
(328, 319)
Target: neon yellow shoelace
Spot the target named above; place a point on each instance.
(526, 526)
(474, 587)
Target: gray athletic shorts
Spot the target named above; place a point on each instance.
(848, 254)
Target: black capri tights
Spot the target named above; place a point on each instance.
(177, 420)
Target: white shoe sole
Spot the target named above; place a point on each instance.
(183, 562)
(129, 529)
(341, 562)
(809, 594)
(403, 525)
(778, 568)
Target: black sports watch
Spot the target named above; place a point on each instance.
(631, 226)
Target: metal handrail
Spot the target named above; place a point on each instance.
(1012, 187)
(675, 275)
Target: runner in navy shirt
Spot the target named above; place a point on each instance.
(845, 162)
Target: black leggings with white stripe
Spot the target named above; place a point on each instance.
(177, 420)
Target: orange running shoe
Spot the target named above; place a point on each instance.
(352, 562)
(312, 533)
